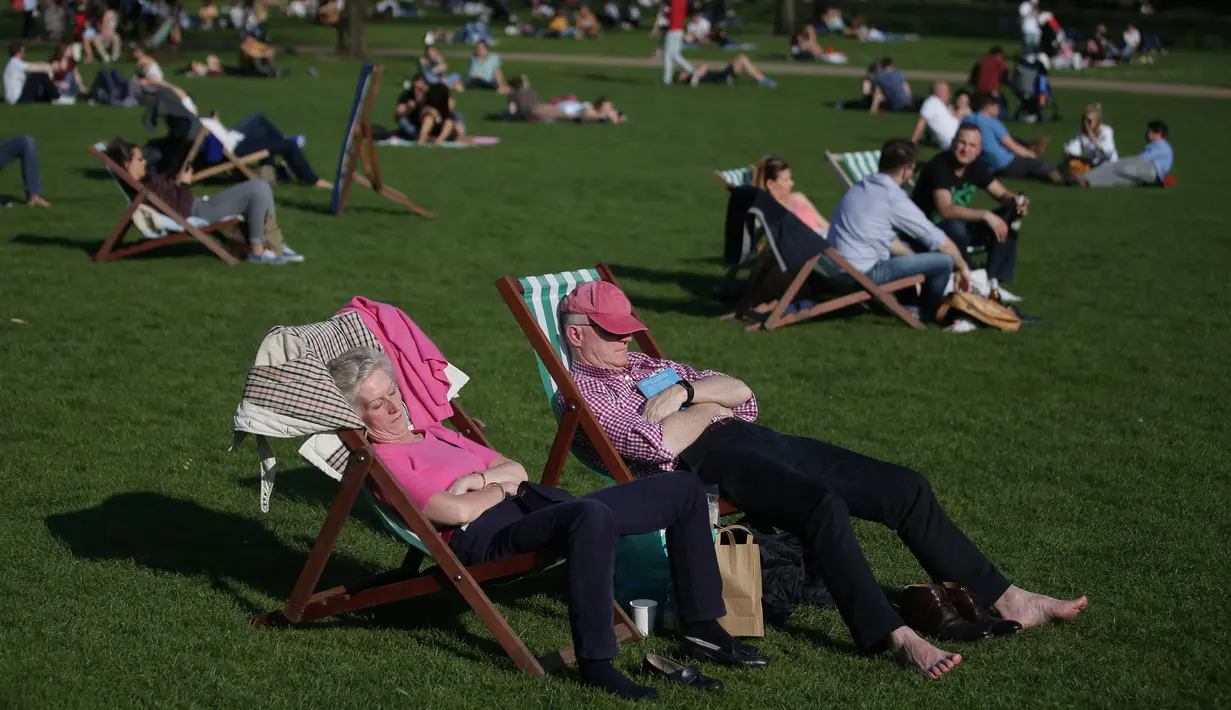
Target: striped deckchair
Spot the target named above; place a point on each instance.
(289, 393)
(853, 167)
(736, 177)
(158, 223)
(535, 304)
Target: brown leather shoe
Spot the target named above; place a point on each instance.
(972, 610)
(926, 608)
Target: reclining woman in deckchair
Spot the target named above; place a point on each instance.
(457, 483)
(773, 174)
(254, 200)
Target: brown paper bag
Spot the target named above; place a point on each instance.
(740, 566)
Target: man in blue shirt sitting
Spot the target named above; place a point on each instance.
(1148, 168)
(866, 225)
(1003, 154)
(890, 89)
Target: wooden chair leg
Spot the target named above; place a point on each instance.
(561, 445)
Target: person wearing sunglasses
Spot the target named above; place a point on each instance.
(1095, 143)
(1151, 166)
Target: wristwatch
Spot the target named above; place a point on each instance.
(687, 388)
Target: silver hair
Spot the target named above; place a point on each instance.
(567, 319)
(351, 368)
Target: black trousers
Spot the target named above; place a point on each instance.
(584, 530)
(260, 133)
(39, 88)
(812, 489)
(1001, 256)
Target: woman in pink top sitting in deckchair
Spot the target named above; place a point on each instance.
(773, 174)
(487, 510)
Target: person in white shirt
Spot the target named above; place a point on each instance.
(148, 74)
(27, 82)
(940, 119)
(1095, 143)
(1028, 13)
(698, 30)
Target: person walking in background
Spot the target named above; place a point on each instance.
(1028, 14)
(674, 40)
(22, 148)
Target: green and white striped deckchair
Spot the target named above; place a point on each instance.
(737, 177)
(535, 303)
(853, 167)
(158, 223)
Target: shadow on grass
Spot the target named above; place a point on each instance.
(700, 286)
(323, 207)
(595, 76)
(186, 248)
(184, 538)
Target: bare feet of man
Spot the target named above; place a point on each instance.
(38, 201)
(914, 652)
(1031, 610)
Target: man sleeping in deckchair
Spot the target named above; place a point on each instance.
(487, 510)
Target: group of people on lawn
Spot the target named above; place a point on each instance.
(697, 429)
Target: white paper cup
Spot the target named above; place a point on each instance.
(644, 611)
(711, 497)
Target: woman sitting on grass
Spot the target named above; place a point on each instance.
(773, 174)
(1095, 143)
(486, 510)
(254, 200)
(433, 67)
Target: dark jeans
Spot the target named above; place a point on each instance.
(39, 88)
(260, 133)
(1001, 256)
(812, 489)
(584, 530)
(1037, 168)
(110, 87)
(473, 82)
(22, 148)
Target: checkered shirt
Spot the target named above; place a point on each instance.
(617, 403)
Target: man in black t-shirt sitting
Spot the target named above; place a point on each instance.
(944, 191)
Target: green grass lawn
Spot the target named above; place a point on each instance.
(1087, 454)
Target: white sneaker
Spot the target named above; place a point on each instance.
(64, 101)
(962, 325)
(1007, 296)
(289, 254)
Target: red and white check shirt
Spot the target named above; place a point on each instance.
(617, 403)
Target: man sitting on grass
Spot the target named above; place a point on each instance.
(865, 228)
(740, 65)
(664, 416)
(1150, 167)
(1005, 155)
(939, 118)
(27, 82)
(946, 187)
(890, 89)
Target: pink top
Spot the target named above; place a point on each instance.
(418, 363)
(804, 210)
(426, 467)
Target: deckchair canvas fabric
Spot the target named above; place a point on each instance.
(543, 295)
(862, 164)
(735, 178)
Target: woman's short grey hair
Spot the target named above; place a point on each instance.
(351, 368)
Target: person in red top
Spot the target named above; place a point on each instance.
(674, 41)
(704, 422)
(490, 511)
(989, 72)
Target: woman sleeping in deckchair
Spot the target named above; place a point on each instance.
(254, 200)
(487, 510)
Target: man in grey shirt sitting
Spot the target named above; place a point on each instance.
(865, 227)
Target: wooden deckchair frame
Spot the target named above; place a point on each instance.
(771, 314)
(406, 582)
(575, 412)
(229, 161)
(362, 153)
(112, 247)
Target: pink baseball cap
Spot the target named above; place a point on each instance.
(606, 305)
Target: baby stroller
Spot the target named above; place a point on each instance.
(1033, 90)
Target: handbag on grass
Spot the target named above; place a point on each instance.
(739, 563)
(984, 310)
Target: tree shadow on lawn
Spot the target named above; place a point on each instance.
(325, 208)
(184, 538)
(186, 248)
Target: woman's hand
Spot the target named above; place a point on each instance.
(465, 484)
(185, 177)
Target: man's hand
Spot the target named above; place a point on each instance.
(1021, 207)
(664, 404)
(961, 280)
(1027, 153)
(465, 484)
(999, 228)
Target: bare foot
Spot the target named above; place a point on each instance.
(913, 651)
(324, 184)
(38, 201)
(1031, 610)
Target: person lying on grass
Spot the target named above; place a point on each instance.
(704, 423)
(256, 132)
(740, 65)
(487, 510)
(773, 174)
(254, 200)
(524, 106)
